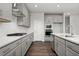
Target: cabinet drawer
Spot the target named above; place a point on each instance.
(60, 40)
(70, 52)
(24, 38)
(56, 46)
(6, 49)
(31, 37)
(61, 49)
(12, 53)
(18, 42)
(72, 46)
(10, 47)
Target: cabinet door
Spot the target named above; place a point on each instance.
(52, 45)
(72, 46)
(58, 18)
(59, 46)
(29, 40)
(70, 52)
(12, 53)
(61, 49)
(32, 36)
(56, 45)
(18, 50)
(24, 48)
(28, 43)
(15, 52)
(53, 42)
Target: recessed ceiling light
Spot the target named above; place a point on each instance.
(35, 5)
(58, 5)
(14, 4)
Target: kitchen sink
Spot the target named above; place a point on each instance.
(16, 34)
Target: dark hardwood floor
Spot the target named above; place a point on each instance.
(40, 49)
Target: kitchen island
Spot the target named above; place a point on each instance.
(66, 46)
(15, 45)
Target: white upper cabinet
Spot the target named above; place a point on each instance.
(58, 18)
(6, 11)
(50, 19)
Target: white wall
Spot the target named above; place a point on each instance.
(74, 20)
(6, 10)
(38, 26)
(11, 27)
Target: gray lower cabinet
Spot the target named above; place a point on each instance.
(59, 46)
(72, 49)
(61, 49)
(65, 48)
(27, 43)
(12, 53)
(56, 45)
(15, 52)
(70, 52)
(52, 42)
(18, 48)
(24, 48)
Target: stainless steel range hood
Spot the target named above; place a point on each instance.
(17, 12)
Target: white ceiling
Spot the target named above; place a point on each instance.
(72, 8)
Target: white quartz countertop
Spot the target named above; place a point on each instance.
(74, 38)
(5, 40)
